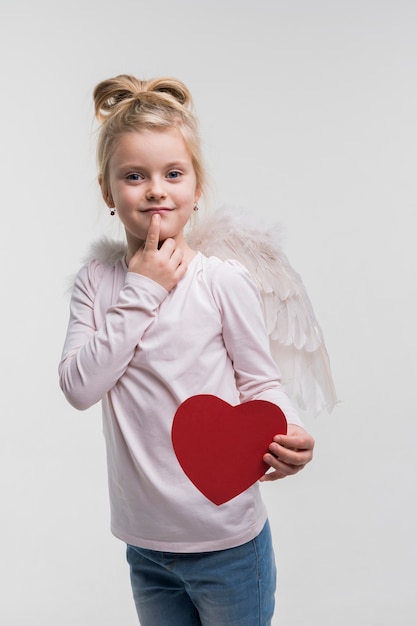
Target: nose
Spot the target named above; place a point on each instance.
(155, 189)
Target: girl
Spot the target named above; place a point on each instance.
(150, 327)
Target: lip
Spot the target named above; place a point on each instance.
(157, 209)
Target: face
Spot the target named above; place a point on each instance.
(152, 172)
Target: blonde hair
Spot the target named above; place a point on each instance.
(126, 104)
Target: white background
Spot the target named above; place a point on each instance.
(308, 113)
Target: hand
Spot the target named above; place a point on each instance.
(288, 454)
(165, 265)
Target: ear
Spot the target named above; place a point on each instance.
(197, 195)
(105, 192)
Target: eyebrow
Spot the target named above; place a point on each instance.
(132, 165)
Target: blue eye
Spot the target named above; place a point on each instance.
(174, 174)
(135, 176)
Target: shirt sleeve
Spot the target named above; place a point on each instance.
(93, 359)
(246, 340)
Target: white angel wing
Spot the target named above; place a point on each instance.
(107, 251)
(296, 339)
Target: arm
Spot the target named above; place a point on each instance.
(246, 341)
(93, 358)
(256, 373)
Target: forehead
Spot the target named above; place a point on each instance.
(151, 146)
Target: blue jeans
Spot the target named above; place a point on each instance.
(234, 587)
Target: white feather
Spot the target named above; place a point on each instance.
(296, 340)
(106, 251)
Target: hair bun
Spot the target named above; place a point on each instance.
(110, 93)
(174, 88)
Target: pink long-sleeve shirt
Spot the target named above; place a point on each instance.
(142, 351)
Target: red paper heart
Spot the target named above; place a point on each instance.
(220, 446)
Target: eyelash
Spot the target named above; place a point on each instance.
(136, 177)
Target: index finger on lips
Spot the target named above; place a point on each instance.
(152, 236)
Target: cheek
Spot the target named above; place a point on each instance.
(188, 196)
(125, 196)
